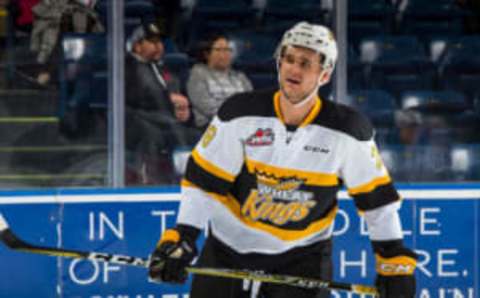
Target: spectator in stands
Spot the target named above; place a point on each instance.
(51, 20)
(425, 142)
(408, 124)
(155, 111)
(407, 137)
(22, 14)
(213, 80)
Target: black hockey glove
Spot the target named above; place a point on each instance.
(395, 266)
(175, 251)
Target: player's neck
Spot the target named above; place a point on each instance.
(295, 114)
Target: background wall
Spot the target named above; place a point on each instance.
(441, 223)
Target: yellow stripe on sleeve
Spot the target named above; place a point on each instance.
(370, 186)
(211, 168)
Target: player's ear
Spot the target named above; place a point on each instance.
(325, 76)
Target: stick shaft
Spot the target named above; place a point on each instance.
(12, 241)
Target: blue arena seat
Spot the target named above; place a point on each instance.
(396, 80)
(355, 71)
(446, 100)
(459, 66)
(437, 47)
(86, 48)
(360, 30)
(143, 9)
(310, 10)
(370, 10)
(179, 64)
(432, 10)
(83, 79)
(395, 63)
(429, 29)
(139, 8)
(220, 7)
(218, 16)
(263, 80)
(463, 49)
(465, 162)
(83, 55)
(377, 104)
(254, 51)
(392, 49)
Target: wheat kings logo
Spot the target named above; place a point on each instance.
(278, 200)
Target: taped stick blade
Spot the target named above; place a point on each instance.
(3, 223)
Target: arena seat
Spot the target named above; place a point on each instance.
(442, 100)
(309, 10)
(465, 162)
(254, 51)
(377, 104)
(459, 67)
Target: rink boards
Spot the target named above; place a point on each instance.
(440, 222)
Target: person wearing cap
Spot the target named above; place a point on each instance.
(156, 113)
(264, 180)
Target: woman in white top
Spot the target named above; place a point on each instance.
(213, 80)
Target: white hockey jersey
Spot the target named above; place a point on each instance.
(265, 187)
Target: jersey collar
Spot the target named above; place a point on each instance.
(311, 115)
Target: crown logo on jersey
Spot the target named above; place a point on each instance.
(261, 137)
(283, 183)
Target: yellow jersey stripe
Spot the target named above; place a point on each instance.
(309, 178)
(370, 186)
(211, 168)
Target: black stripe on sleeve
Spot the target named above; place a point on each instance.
(205, 180)
(380, 196)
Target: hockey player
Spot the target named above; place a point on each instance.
(264, 180)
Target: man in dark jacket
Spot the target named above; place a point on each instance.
(155, 111)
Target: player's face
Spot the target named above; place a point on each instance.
(299, 70)
(220, 55)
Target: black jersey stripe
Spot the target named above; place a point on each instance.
(211, 168)
(344, 119)
(239, 105)
(381, 196)
(205, 179)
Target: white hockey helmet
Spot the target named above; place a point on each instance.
(315, 37)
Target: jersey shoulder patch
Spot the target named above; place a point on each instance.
(345, 119)
(254, 103)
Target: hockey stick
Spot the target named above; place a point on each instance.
(12, 241)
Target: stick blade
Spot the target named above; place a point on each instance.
(3, 223)
(7, 236)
